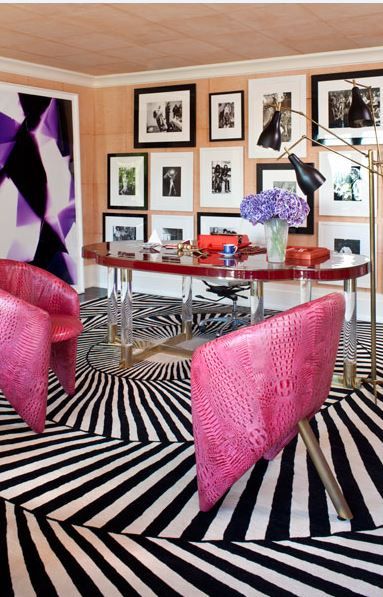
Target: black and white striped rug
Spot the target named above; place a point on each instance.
(105, 503)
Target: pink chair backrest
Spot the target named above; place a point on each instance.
(251, 387)
(39, 328)
(38, 287)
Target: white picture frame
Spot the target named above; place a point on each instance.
(346, 189)
(124, 227)
(263, 93)
(171, 181)
(172, 228)
(351, 236)
(222, 223)
(221, 177)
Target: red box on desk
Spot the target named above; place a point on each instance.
(215, 242)
(307, 255)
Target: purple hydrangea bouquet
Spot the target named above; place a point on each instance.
(277, 209)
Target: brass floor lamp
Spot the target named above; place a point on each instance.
(310, 179)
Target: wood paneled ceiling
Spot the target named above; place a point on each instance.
(106, 39)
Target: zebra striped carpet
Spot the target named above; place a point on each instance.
(104, 502)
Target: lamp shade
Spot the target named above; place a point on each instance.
(308, 178)
(359, 113)
(271, 135)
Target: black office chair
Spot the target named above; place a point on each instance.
(227, 291)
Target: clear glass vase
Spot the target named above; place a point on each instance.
(276, 233)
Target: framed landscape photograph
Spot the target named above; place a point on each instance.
(347, 238)
(221, 177)
(264, 95)
(171, 181)
(165, 116)
(173, 229)
(345, 191)
(270, 176)
(226, 116)
(331, 99)
(228, 223)
(128, 180)
(124, 227)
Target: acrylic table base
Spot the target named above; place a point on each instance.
(112, 304)
(256, 301)
(133, 352)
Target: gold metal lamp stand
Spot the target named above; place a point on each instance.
(375, 168)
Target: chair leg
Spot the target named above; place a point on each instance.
(63, 363)
(324, 470)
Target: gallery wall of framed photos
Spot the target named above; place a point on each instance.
(199, 141)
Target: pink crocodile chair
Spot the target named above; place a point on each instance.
(39, 327)
(255, 388)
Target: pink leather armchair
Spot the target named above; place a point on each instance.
(39, 327)
(255, 388)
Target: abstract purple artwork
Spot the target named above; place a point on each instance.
(37, 182)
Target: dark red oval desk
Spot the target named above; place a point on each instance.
(128, 256)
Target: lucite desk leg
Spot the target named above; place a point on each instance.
(112, 305)
(305, 291)
(126, 319)
(349, 335)
(187, 307)
(256, 301)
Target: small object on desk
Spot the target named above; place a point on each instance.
(151, 247)
(154, 238)
(230, 249)
(253, 250)
(307, 255)
(186, 248)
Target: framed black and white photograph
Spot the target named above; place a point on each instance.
(226, 116)
(347, 238)
(124, 227)
(264, 96)
(331, 100)
(282, 176)
(171, 181)
(346, 189)
(173, 229)
(229, 223)
(165, 116)
(221, 177)
(128, 180)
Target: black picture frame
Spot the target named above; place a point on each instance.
(324, 85)
(123, 161)
(229, 133)
(280, 168)
(124, 220)
(180, 125)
